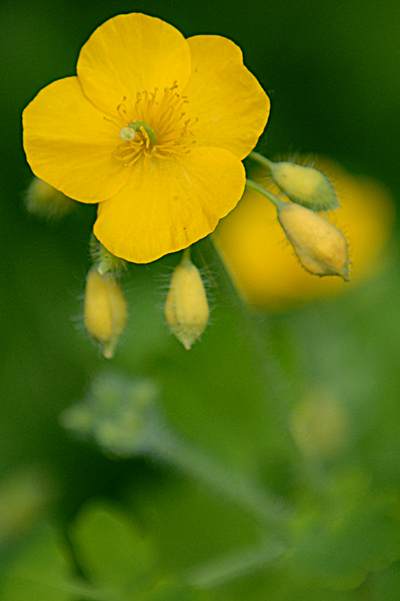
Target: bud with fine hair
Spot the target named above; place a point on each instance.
(45, 201)
(320, 246)
(105, 310)
(304, 185)
(186, 306)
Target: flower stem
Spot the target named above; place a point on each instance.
(166, 445)
(251, 185)
(235, 565)
(261, 160)
(257, 328)
(81, 589)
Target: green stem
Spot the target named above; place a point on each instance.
(251, 185)
(257, 327)
(227, 568)
(186, 255)
(220, 479)
(261, 160)
(87, 592)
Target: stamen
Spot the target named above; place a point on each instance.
(154, 127)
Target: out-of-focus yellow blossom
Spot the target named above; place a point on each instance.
(262, 262)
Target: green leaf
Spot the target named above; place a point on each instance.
(338, 551)
(39, 571)
(111, 553)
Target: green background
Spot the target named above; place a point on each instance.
(332, 70)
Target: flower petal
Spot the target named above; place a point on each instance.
(228, 101)
(129, 54)
(170, 205)
(69, 144)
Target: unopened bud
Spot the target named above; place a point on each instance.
(45, 201)
(186, 307)
(320, 246)
(305, 185)
(121, 414)
(320, 426)
(105, 311)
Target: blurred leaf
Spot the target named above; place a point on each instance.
(38, 572)
(111, 552)
(338, 548)
(192, 526)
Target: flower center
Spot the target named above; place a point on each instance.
(155, 127)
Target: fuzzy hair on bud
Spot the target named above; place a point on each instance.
(320, 246)
(305, 185)
(105, 311)
(45, 201)
(186, 306)
(103, 260)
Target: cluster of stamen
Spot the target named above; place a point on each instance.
(154, 127)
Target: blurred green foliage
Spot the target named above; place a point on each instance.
(77, 523)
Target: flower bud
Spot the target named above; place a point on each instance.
(320, 425)
(105, 311)
(320, 246)
(186, 307)
(45, 201)
(305, 185)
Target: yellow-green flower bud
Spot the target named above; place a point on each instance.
(45, 201)
(186, 307)
(305, 185)
(105, 310)
(320, 246)
(320, 425)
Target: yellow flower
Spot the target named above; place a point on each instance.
(262, 262)
(153, 128)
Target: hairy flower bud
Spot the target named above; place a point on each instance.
(186, 307)
(305, 185)
(45, 201)
(320, 246)
(105, 311)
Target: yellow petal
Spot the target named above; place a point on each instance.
(224, 96)
(129, 54)
(170, 205)
(69, 144)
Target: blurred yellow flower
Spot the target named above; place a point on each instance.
(154, 128)
(263, 264)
